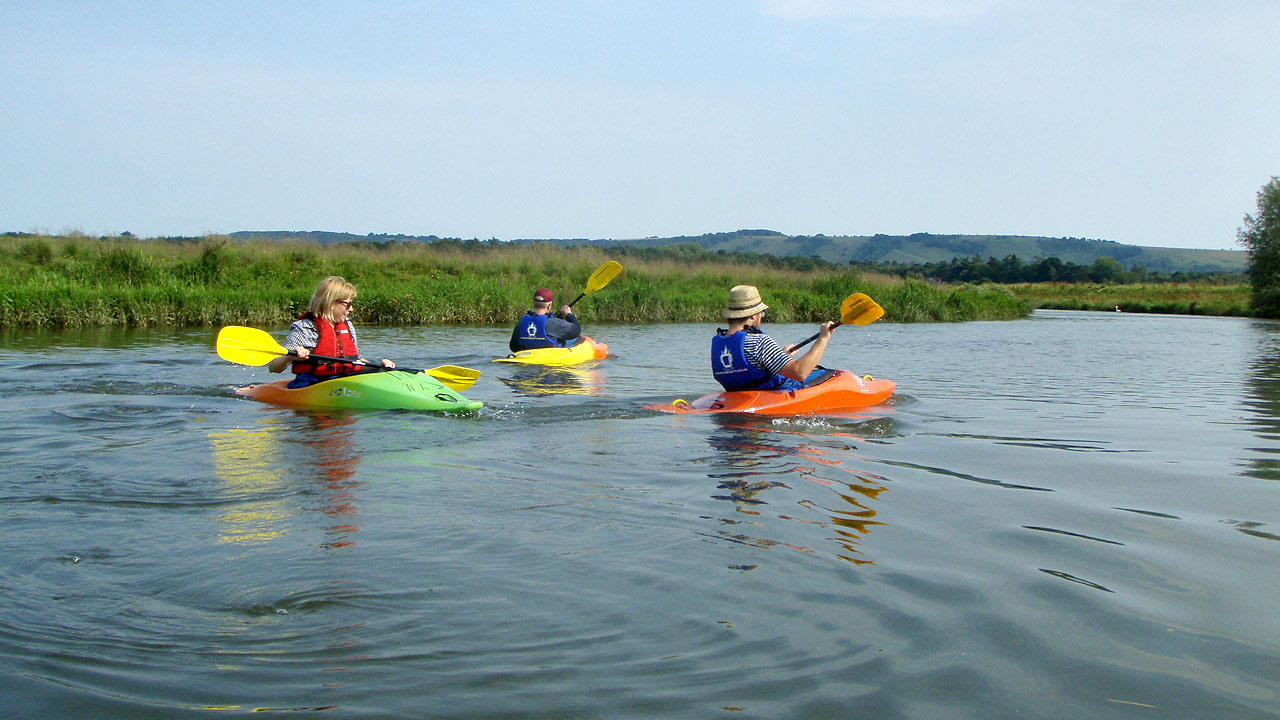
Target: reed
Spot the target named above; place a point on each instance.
(1202, 298)
(75, 281)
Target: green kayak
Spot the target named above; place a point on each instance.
(390, 390)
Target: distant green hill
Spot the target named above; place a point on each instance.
(927, 248)
(905, 249)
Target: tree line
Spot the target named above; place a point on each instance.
(1011, 270)
(1008, 271)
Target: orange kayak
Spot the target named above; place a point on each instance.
(841, 392)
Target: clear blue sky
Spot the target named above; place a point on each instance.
(1148, 123)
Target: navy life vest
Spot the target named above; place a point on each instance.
(334, 342)
(531, 332)
(731, 369)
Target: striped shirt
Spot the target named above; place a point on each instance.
(303, 333)
(764, 352)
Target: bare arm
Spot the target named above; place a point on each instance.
(800, 367)
(281, 363)
(302, 337)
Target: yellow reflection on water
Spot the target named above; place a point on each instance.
(251, 467)
(535, 380)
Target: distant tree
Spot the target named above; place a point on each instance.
(1010, 269)
(1048, 270)
(1261, 237)
(1106, 270)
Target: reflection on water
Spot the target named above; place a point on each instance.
(110, 337)
(533, 381)
(272, 472)
(173, 547)
(249, 464)
(258, 467)
(329, 436)
(756, 456)
(1264, 382)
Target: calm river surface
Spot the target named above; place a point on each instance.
(1075, 516)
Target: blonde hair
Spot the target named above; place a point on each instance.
(330, 290)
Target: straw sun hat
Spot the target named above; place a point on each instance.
(744, 301)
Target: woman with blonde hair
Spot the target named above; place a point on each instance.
(323, 330)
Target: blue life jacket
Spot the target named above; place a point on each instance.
(731, 369)
(531, 332)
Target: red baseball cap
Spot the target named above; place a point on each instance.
(543, 295)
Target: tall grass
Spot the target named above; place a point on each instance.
(1170, 298)
(78, 282)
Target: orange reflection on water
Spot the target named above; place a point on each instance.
(330, 440)
(756, 455)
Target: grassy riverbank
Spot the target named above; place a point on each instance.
(80, 281)
(1167, 298)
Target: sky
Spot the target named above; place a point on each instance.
(1144, 122)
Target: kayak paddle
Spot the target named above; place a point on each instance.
(599, 279)
(251, 346)
(454, 376)
(857, 309)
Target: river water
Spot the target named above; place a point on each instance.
(1074, 515)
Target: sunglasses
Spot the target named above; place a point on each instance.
(343, 302)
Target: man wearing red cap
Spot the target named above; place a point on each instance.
(537, 328)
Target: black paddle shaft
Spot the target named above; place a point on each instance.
(814, 336)
(328, 359)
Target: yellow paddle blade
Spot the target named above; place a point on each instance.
(858, 309)
(457, 378)
(248, 346)
(603, 275)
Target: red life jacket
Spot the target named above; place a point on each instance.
(334, 342)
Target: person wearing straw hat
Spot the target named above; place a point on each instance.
(745, 358)
(537, 328)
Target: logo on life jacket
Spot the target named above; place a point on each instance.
(726, 359)
(532, 331)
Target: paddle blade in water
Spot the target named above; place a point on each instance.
(858, 309)
(247, 346)
(603, 275)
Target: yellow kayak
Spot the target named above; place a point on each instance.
(586, 349)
